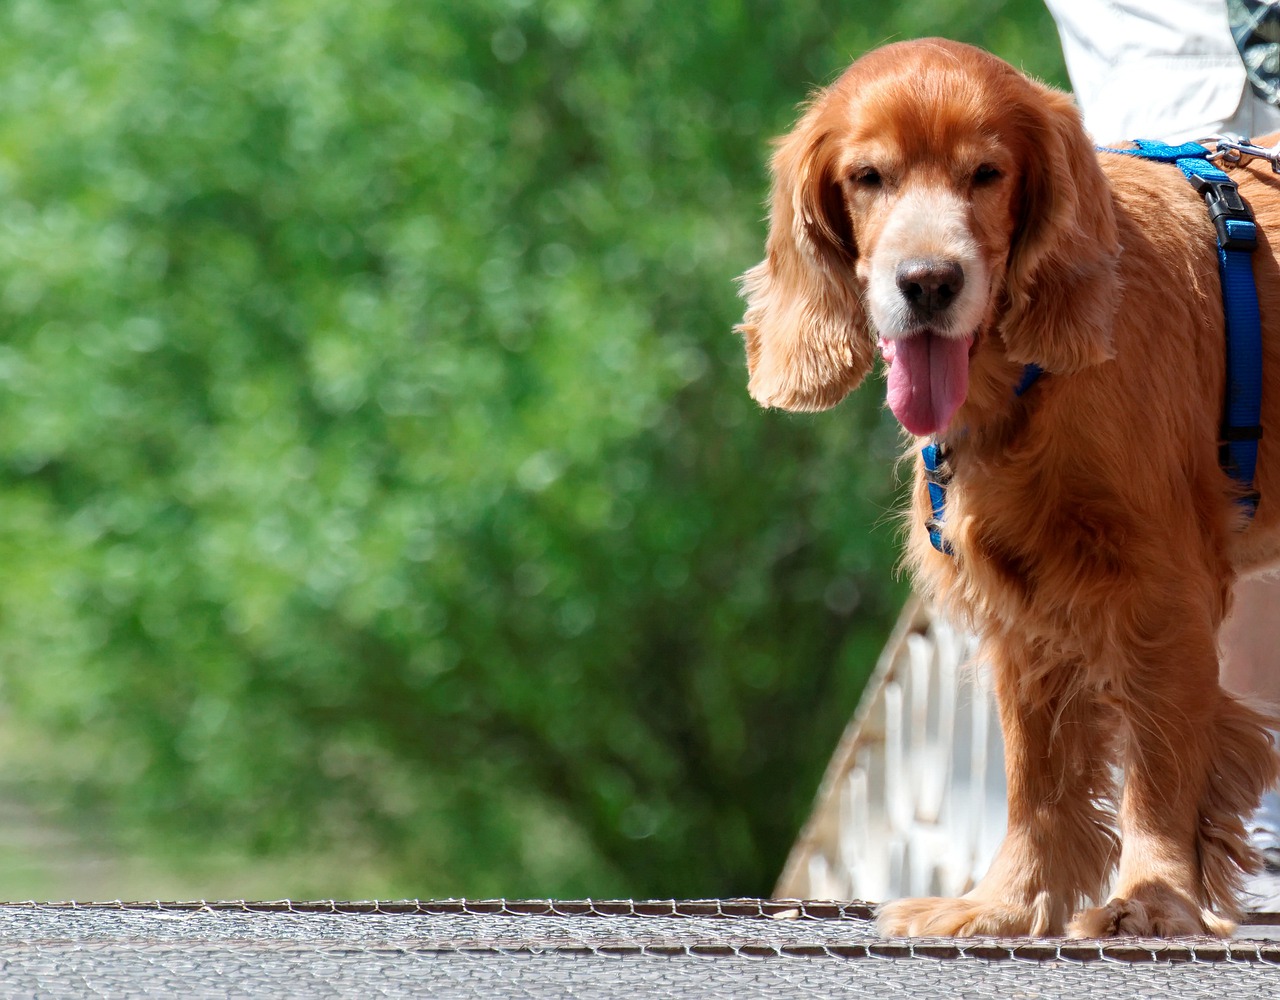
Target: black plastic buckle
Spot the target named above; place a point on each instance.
(1226, 205)
(1231, 434)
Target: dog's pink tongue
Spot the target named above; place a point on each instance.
(928, 381)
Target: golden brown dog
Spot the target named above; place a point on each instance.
(937, 202)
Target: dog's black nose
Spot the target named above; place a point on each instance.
(929, 286)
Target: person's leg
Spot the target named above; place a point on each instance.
(1251, 642)
(1251, 669)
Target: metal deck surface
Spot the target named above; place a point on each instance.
(726, 948)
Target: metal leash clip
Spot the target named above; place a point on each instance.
(1234, 149)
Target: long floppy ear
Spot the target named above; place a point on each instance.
(807, 341)
(1063, 283)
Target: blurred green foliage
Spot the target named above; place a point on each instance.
(376, 472)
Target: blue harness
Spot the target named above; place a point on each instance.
(1242, 404)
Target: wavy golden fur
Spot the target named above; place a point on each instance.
(937, 201)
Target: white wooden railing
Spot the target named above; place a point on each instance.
(913, 802)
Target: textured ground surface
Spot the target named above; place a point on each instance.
(734, 948)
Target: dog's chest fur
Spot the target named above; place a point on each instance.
(1040, 543)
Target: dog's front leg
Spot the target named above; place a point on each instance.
(1196, 763)
(1060, 845)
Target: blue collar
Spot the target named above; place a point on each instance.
(937, 470)
(1242, 406)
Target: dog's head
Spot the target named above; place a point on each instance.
(937, 202)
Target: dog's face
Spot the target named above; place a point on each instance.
(933, 201)
(931, 211)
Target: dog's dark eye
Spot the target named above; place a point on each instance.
(985, 174)
(867, 177)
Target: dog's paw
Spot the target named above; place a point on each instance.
(966, 917)
(1162, 914)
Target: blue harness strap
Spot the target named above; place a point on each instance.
(1237, 239)
(1242, 403)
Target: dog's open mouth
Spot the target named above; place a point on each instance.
(928, 379)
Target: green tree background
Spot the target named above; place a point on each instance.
(376, 472)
